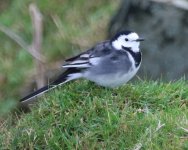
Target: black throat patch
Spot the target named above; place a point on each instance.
(136, 56)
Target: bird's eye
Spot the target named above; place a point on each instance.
(126, 39)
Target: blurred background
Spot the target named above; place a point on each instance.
(70, 27)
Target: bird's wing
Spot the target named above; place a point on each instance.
(89, 58)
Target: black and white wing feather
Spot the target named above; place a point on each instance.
(89, 58)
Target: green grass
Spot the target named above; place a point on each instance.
(81, 115)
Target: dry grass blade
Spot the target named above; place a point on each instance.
(21, 42)
(36, 17)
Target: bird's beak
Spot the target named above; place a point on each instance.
(140, 40)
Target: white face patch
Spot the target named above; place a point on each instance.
(127, 41)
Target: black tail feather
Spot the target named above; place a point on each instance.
(60, 80)
(36, 93)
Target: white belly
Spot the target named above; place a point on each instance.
(112, 80)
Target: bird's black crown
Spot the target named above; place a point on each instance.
(121, 33)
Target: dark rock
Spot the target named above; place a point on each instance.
(165, 28)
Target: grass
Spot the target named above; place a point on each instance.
(81, 115)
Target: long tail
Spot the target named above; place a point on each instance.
(68, 75)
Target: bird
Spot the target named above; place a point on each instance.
(110, 63)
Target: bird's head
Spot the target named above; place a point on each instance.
(127, 39)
